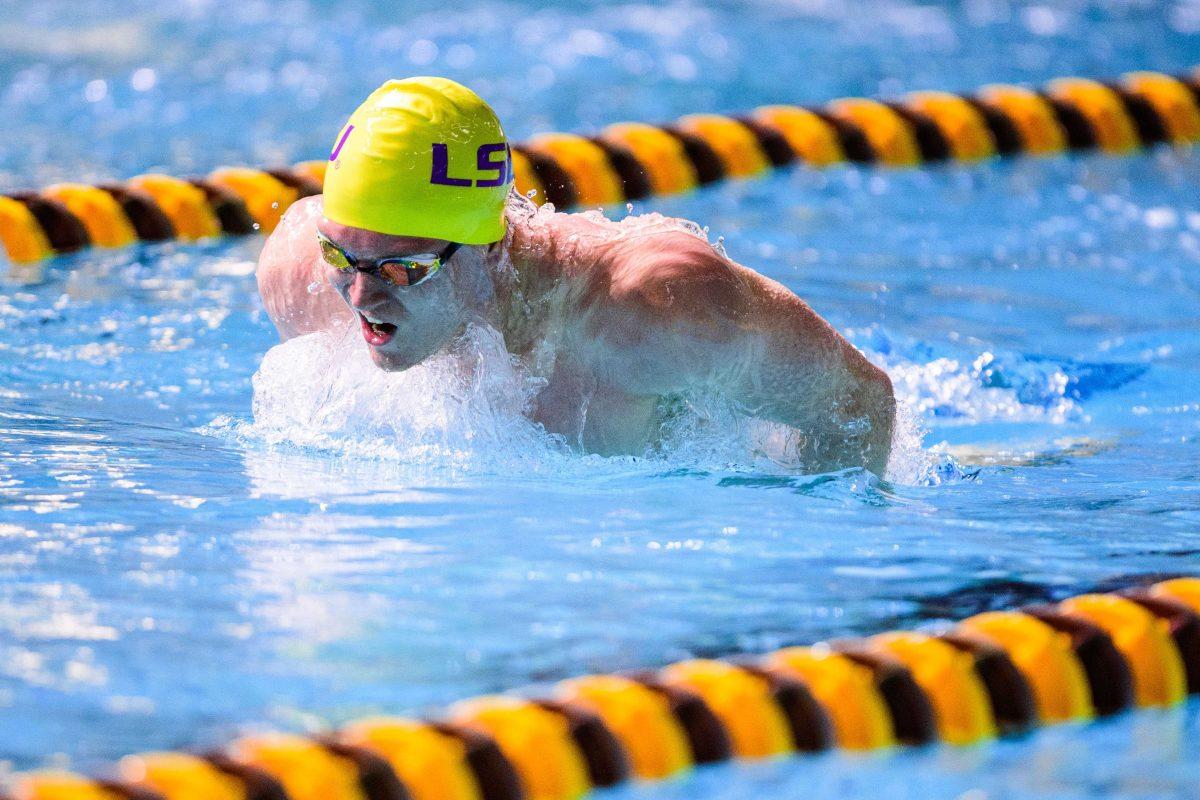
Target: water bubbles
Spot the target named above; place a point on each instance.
(693, 228)
(95, 91)
(681, 68)
(422, 52)
(1044, 21)
(1161, 217)
(295, 73)
(587, 42)
(143, 80)
(460, 56)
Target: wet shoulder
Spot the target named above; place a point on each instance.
(584, 243)
(568, 243)
(294, 240)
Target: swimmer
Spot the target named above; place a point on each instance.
(419, 234)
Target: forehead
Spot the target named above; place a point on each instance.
(369, 244)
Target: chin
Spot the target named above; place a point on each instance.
(399, 359)
(392, 362)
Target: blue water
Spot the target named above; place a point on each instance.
(194, 540)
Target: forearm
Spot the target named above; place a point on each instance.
(845, 415)
(805, 374)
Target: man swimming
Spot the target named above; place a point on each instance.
(418, 234)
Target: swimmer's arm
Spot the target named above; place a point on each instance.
(723, 327)
(849, 412)
(289, 264)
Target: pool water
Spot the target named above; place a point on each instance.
(202, 531)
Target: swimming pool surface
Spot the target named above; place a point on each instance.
(195, 538)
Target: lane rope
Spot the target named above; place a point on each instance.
(995, 674)
(632, 160)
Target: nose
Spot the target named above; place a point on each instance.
(365, 290)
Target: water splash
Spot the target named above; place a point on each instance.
(466, 410)
(464, 405)
(600, 227)
(960, 392)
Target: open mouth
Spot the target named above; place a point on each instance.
(376, 332)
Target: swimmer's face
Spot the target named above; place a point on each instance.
(402, 325)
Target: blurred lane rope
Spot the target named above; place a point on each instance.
(631, 160)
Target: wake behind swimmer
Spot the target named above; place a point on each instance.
(412, 245)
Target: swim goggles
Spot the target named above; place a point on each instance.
(404, 271)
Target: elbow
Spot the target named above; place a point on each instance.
(871, 386)
(883, 392)
(879, 401)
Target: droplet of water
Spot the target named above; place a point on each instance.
(315, 287)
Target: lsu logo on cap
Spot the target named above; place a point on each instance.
(486, 161)
(341, 142)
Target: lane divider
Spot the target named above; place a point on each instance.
(633, 160)
(995, 674)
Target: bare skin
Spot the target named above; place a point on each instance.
(614, 324)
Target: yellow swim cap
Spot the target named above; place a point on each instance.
(421, 157)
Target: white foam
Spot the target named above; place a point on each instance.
(323, 390)
(909, 463)
(958, 393)
(467, 410)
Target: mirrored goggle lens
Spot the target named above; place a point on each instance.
(410, 271)
(334, 256)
